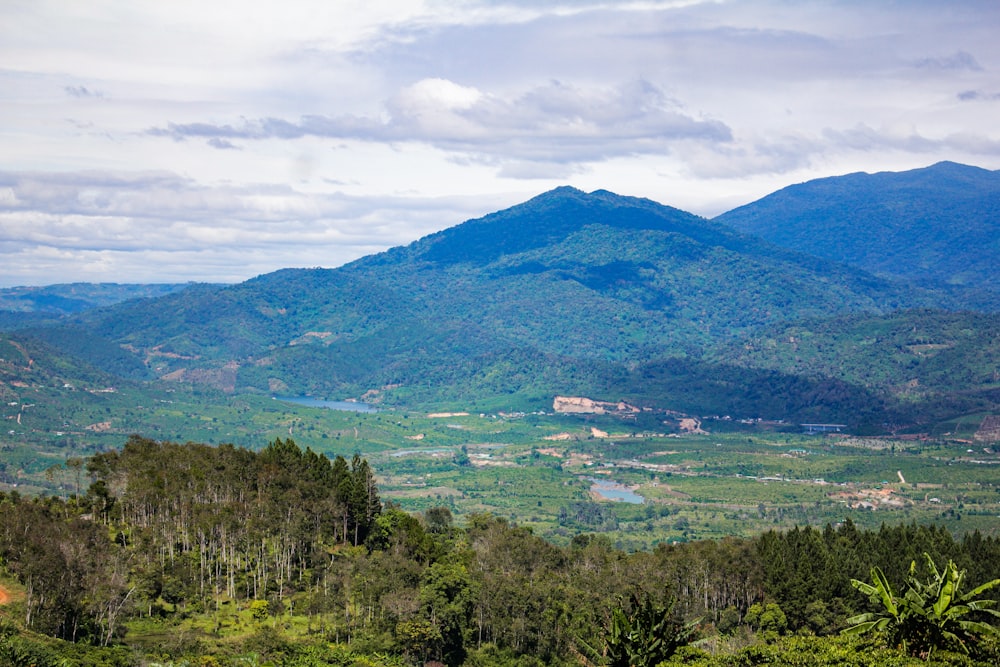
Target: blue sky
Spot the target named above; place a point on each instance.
(214, 141)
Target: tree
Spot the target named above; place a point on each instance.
(930, 615)
(447, 596)
(767, 618)
(438, 519)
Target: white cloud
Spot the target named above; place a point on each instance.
(69, 226)
(553, 123)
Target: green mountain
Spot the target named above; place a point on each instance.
(48, 394)
(27, 362)
(593, 276)
(570, 292)
(934, 226)
(22, 307)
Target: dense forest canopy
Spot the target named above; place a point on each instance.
(291, 557)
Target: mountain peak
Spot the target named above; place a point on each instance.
(549, 218)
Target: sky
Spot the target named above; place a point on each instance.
(149, 141)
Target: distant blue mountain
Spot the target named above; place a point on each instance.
(68, 298)
(937, 226)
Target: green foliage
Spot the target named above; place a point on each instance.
(99, 353)
(22, 651)
(226, 556)
(589, 516)
(75, 577)
(447, 598)
(931, 615)
(643, 633)
(935, 362)
(768, 619)
(804, 651)
(258, 609)
(31, 360)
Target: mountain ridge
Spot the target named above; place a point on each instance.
(871, 221)
(568, 291)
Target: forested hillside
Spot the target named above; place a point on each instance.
(594, 276)
(939, 225)
(567, 293)
(219, 555)
(596, 294)
(27, 360)
(924, 356)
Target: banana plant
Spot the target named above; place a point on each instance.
(930, 615)
(645, 634)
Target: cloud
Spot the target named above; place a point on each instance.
(158, 226)
(83, 91)
(223, 144)
(865, 138)
(960, 60)
(554, 123)
(978, 95)
(775, 155)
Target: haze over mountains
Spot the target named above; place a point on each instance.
(622, 298)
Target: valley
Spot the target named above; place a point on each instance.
(471, 447)
(537, 469)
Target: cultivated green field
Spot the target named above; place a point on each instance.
(539, 469)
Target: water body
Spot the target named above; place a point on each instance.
(609, 490)
(308, 401)
(429, 451)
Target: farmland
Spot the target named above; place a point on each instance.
(540, 469)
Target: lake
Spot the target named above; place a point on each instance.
(311, 402)
(609, 490)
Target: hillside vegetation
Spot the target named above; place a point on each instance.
(181, 554)
(567, 293)
(935, 226)
(600, 295)
(919, 356)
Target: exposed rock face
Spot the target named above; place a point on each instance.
(582, 405)
(691, 425)
(989, 430)
(223, 378)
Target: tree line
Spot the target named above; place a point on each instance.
(167, 532)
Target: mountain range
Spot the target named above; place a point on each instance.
(863, 299)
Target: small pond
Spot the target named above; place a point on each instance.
(311, 402)
(610, 490)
